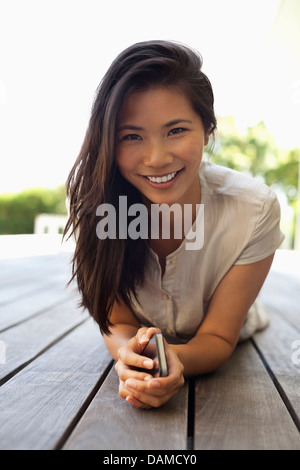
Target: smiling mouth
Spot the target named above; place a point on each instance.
(163, 179)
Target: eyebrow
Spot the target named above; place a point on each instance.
(177, 121)
(130, 127)
(174, 122)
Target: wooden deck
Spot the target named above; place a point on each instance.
(59, 389)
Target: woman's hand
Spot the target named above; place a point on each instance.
(139, 387)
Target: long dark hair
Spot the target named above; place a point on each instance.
(110, 270)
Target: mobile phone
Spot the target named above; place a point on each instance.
(155, 349)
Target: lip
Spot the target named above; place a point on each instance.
(166, 184)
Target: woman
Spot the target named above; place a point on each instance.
(151, 119)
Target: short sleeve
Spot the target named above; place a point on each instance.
(266, 236)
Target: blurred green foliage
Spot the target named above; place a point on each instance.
(18, 211)
(255, 152)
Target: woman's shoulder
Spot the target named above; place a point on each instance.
(219, 180)
(237, 200)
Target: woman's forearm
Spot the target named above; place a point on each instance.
(120, 335)
(205, 353)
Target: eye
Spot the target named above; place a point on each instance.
(177, 130)
(131, 137)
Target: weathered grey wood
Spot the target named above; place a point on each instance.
(40, 403)
(27, 288)
(16, 269)
(59, 358)
(40, 301)
(14, 291)
(282, 292)
(30, 338)
(239, 407)
(44, 286)
(111, 423)
(275, 344)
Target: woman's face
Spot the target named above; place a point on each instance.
(160, 146)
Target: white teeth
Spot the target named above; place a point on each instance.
(162, 179)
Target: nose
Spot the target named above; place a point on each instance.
(157, 155)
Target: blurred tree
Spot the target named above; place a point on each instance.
(18, 211)
(254, 152)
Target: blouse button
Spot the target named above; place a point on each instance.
(166, 296)
(173, 261)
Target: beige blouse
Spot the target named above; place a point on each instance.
(241, 226)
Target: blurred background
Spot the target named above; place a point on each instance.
(54, 53)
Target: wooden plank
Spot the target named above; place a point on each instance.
(111, 423)
(287, 262)
(281, 291)
(29, 339)
(21, 291)
(14, 270)
(276, 347)
(239, 408)
(16, 290)
(22, 309)
(281, 296)
(44, 400)
(25, 276)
